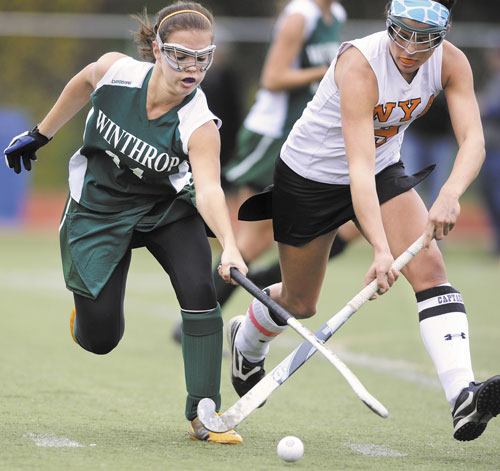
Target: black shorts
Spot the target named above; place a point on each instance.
(303, 209)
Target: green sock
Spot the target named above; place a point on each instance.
(202, 352)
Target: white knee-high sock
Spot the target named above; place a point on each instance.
(445, 332)
(258, 329)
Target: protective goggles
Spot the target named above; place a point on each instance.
(414, 40)
(181, 57)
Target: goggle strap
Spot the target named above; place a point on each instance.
(429, 30)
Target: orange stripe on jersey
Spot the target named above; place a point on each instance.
(261, 329)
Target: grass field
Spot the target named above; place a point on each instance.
(62, 408)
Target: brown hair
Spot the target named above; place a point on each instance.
(202, 20)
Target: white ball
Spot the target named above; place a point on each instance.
(290, 448)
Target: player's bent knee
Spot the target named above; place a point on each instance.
(426, 271)
(99, 335)
(304, 311)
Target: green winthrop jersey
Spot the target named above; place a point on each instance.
(131, 174)
(128, 160)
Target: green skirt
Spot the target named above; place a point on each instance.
(93, 243)
(254, 163)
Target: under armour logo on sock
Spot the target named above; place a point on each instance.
(450, 336)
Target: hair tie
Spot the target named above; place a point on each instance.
(182, 11)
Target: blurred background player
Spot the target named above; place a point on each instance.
(342, 160)
(151, 145)
(305, 40)
(222, 87)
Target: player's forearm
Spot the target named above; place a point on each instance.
(74, 97)
(212, 207)
(468, 162)
(367, 210)
(292, 78)
(370, 220)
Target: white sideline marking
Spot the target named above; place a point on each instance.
(373, 450)
(53, 441)
(399, 369)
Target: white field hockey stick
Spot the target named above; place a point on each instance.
(275, 378)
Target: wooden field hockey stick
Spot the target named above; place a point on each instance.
(275, 378)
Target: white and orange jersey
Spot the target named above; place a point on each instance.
(315, 147)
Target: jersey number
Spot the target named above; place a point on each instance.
(382, 135)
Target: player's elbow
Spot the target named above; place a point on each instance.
(271, 81)
(477, 143)
(482, 148)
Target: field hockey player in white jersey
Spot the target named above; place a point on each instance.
(147, 175)
(341, 161)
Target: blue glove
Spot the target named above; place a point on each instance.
(24, 147)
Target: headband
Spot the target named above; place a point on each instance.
(181, 11)
(426, 11)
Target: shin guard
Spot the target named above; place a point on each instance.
(202, 339)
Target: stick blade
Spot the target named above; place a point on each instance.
(245, 405)
(377, 407)
(209, 418)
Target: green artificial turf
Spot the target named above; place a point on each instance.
(62, 408)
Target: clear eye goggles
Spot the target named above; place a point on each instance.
(414, 40)
(181, 57)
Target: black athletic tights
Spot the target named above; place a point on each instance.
(182, 249)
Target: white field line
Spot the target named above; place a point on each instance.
(53, 441)
(373, 450)
(398, 368)
(52, 282)
(35, 281)
(401, 370)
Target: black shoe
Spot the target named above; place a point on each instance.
(475, 406)
(244, 374)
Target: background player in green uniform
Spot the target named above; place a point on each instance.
(305, 40)
(149, 141)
